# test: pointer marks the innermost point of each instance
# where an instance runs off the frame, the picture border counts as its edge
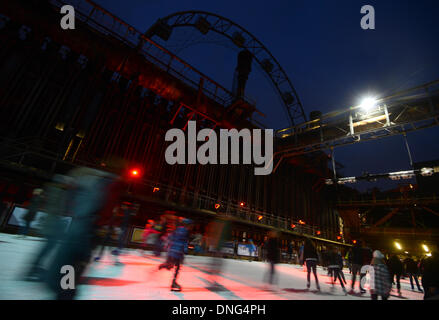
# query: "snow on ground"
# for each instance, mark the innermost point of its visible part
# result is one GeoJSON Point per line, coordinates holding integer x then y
{"type": "Point", "coordinates": [139, 279]}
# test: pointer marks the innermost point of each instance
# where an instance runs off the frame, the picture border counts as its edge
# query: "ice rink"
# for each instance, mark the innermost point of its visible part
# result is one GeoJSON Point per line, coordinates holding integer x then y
{"type": "Point", "coordinates": [139, 278]}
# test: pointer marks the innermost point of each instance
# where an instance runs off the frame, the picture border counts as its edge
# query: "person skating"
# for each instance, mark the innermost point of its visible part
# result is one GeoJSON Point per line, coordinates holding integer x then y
{"type": "Point", "coordinates": [361, 256]}
{"type": "Point", "coordinates": [178, 242]}
{"type": "Point", "coordinates": [93, 197]}
{"type": "Point", "coordinates": [162, 229]}
{"type": "Point", "coordinates": [430, 276]}
{"type": "Point", "coordinates": [335, 264]}
{"type": "Point", "coordinates": [252, 250]}
{"type": "Point", "coordinates": [395, 267]}
{"type": "Point", "coordinates": [54, 227]}
{"type": "Point", "coordinates": [311, 258]}
{"type": "Point", "coordinates": [148, 231]}
{"type": "Point", "coordinates": [35, 204]}
{"type": "Point", "coordinates": [411, 269]}
{"type": "Point", "coordinates": [273, 254]}
{"type": "Point", "coordinates": [290, 251]}
{"type": "Point", "coordinates": [380, 285]}
{"type": "Point", "coordinates": [129, 210]}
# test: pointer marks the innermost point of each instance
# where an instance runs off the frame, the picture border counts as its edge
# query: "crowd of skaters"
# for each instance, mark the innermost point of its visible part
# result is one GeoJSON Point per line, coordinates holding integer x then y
{"type": "Point", "coordinates": [93, 198]}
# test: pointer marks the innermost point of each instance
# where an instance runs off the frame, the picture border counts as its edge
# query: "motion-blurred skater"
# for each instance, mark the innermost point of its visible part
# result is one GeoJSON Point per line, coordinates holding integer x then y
{"type": "Point", "coordinates": [35, 205]}
{"type": "Point", "coordinates": [178, 242]}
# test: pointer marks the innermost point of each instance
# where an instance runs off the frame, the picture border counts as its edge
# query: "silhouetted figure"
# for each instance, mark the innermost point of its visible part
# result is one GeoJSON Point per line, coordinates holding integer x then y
{"type": "Point", "coordinates": [361, 256]}
{"type": "Point", "coordinates": [93, 192]}
{"type": "Point", "coordinates": [430, 276]}
{"type": "Point", "coordinates": [335, 264]}
{"type": "Point", "coordinates": [311, 258]}
{"type": "Point", "coordinates": [395, 269]}
{"type": "Point", "coordinates": [34, 206]}
{"type": "Point", "coordinates": [273, 254]}
{"type": "Point", "coordinates": [53, 227]}
{"type": "Point", "coordinates": [411, 268]}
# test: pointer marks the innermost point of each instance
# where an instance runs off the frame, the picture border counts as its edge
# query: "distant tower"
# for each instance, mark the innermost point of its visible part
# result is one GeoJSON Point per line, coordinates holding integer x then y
{"type": "Point", "coordinates": [242, 71]}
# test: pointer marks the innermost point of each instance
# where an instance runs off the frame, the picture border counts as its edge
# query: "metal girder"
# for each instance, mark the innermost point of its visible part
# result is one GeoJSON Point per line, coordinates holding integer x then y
{"type": "Point", "coordinates": [431, 211]}
{"type": "Point", "coordinates": [404, 112]}
{"type": "Point", "coordinates": [387, 217]}
{"type": "Point", "coordinates": [245, 40]}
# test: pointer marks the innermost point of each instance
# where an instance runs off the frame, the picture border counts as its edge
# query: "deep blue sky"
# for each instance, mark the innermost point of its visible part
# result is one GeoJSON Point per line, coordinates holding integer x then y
{"type": "Point", "coordinates": [330, 60]}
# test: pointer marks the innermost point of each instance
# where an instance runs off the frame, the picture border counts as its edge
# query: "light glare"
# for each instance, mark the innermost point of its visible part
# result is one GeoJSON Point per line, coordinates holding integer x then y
{"type": "Point", "coordinates": [368, 104]}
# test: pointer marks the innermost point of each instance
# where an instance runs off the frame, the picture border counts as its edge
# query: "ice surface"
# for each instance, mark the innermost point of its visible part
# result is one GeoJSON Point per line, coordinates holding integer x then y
{"type": "Point", "coordinates": [139, 278]}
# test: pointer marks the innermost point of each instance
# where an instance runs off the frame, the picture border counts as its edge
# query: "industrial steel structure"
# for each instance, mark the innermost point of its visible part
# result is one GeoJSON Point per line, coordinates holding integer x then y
{"type": "Point", "coordinates": [107, 90]}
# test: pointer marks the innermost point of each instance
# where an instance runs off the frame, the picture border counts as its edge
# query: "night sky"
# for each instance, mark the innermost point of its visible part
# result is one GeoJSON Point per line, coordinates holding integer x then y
{"type": "Point", "coordinates": [330, 60]}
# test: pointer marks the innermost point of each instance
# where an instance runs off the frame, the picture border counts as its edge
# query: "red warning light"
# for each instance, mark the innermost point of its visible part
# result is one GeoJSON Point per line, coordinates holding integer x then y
{"type": "Point", "coordinates": [156, 189]}
{"type": "Point", "coordinates": [260, 218]}
{"type": "Point", "coordinates": [217, 205]}
{"type": "Point", "coordinates": [338, 237]}
{"type": "Point", "coordinates": [242, 204]}
{"type": "Point", "coordinates": [135, 173]}
{"type": "Point", "coordinates": [293, 226]}
{"type": "Point", "coordinates": [318, 233]}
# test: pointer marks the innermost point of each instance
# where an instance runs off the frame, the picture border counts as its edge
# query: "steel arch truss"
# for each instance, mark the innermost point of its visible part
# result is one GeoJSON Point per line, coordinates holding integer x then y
{"type": "Point", "coordinates": [207, 22]}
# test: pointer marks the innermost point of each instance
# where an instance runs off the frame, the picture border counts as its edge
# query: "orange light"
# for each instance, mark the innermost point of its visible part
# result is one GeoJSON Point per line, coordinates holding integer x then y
{"type": "Point", "coordinates": [293, 226]}
{"type": "Point", "coordinates": [338, 237]}
{"type": "Point", "coordinates": [217, 205]}
{"type": "Point", "coordinates": [242, 204]}
{"type": "Point", "coordinates": [155, 189]}
{"type": "Point", "coordinates": [260, 218]}
{"type": "Point", "coordinates": [318, 232]}
{"type": "Point", "coordinates": [354, 241]}
{"type": "Point", "coordinates": [301, 222]}
{"type": "Point", "coordinates": [341, 232]}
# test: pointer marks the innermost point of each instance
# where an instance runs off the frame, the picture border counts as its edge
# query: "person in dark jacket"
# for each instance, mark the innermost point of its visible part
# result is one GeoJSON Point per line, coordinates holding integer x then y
{"type": "Point", "coordinates": [411, 269]}
{"type": "Point", "coordinates": [290, 251]}
{"type": "Point", "coordinates": [129, 210]}
{"type": "Point", "coordinates": [395, 269]}
{"type": "Point", "coordinates": [430, 276]}
{"type": "Point", "coordinates": [54, 227]}
{"type": "Point", "coordinates": [34, 206]}
{"type": "Point", "coordinates": [361, 256]}
{"type": "Point", "coordinates": [92, 191]}
{"type": "Point", "coordinates": [335, 264]}
{"type": "Point", "coordinates": [357, 261]}
{"type": "Point", "coordinates": [273, 254]}
{"type": "Point", "coordinates": [178, 242]}
{"type": "Point", "coordinates": [380, 284]}
{"type": "Point", "coordinates": [311, 258]}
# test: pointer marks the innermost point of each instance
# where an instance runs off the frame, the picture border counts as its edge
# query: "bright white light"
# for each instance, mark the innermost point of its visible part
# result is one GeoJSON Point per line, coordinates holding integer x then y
{"type": "Point", "coordinates": [398, 246]}
{"type": "Point", "coordinates": [426, 172]}
{"type": "Point", "coordinates": [402, 175]}
{"type": "Point", "coordinates": [424, 246]}
{"type": "Point", "coordinates": [368, 104]}
{"type": "Point", "coordinates": [428, 254]}
{"type": "Point", "coordinates": [347, 180]}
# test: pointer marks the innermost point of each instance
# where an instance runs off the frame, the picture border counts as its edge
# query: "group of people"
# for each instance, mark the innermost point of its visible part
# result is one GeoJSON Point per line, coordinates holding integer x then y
{"type": "Point", "coordinates": [383, 272]}
{"type": "Point", "coordinates": [93, 199]}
